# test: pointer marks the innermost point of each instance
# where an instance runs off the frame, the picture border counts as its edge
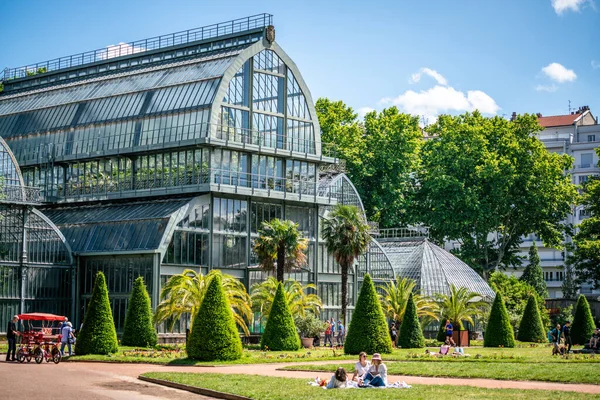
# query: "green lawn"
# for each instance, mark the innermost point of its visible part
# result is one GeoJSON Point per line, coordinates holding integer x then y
{"type": "Point", "coordinates": [577, 372]}
{"type": "Point", "coordinates": [269, 388]}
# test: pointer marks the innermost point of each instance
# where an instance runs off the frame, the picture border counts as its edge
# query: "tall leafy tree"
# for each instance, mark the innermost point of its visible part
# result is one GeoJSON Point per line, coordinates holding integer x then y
{"type": "Point", "coordinates": [569, 285]}
{"type": "Point", "coordinates": [299, 298]}
{"type": "Point", "coordinates": [183, 294]}
{"type": "Point", "coordinates": [533, 273]}
{"type": "Point", "coordinates": [346, 236]}
{"type": "Point", "coordinates": [395, 295]}
{"type": "Point", "coordinates": [461, 305]}
{"type": "Point", "coordinates": [280, 247]}
{"type": "Point", "coordinates": [485, 182]}
{"type": "Point", "coordinates": [381, 153]}
{"type": "Point", "coordinates": [584, 258]}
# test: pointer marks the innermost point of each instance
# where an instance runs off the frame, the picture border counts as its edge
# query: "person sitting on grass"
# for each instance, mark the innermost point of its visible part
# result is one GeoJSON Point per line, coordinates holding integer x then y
{"type": "Point", "coordinates": [377, 373]}
{"type": "Point", "coordinates": [361, 367]}
{"type": "Point", "coordinates": [338, 380]}
{"type": "Point", "coordinates": [595, 338]}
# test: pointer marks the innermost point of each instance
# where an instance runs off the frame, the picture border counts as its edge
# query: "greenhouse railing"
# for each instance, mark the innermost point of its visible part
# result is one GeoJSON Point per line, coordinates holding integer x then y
{"type": "Point", "coordinates": [20, 194]}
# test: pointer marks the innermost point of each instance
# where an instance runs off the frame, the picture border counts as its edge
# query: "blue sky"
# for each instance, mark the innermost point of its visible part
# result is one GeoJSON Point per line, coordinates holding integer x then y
{"type": "Point", "coordinates": [426, 57]}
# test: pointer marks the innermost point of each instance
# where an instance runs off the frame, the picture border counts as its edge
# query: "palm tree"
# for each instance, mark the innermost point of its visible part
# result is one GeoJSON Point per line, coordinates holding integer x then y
{"type": "Point", "coordinates": [461, 305]}
{"type": "Point", "coordinates": [346, 236]}
{"type": "Point", "coordinates": [297, 296]}
{"type": "Point", "coordinates": [395, 297]}
{"type": "Point", "coordinates": [184, 293]}
{"type": "Point", "coordinates": [280, 247]}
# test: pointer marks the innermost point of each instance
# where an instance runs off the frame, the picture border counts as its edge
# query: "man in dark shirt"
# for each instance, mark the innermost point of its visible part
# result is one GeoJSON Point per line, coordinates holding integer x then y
{"type": "Point", "coordinates": [567, 335]}
{"type": "Point", "coordinates": [594, 341]}
{"type": "Point", "coordinates": [11, 335]}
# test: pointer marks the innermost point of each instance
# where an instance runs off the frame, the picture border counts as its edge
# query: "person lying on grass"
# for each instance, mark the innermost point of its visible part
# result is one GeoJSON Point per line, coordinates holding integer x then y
{"type": "Point", "coordinates": [338, 380]}
{"type": "Point", "coordinates": [361, 367]}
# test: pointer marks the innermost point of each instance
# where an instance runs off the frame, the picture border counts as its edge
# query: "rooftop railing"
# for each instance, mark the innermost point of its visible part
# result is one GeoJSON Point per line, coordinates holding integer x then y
{"type": "Point", "coordinates": [139, 46]}
{"type": "Point", "coordinates": [20, 194]}
{"type": "Point", "coordinates": [404, 233]}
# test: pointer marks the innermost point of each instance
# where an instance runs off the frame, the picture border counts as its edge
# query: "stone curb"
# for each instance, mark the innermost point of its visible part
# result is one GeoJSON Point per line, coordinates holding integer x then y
{"type": "Point", "coordinates": [194, 389]}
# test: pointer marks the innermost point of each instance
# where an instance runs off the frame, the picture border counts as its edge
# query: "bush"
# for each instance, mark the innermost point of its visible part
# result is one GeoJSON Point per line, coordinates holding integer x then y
{"type": "Point", "coordinates": [441, 335]}
{"type": "Point", "coordinates": [368, 329]}
{"type": "Point", "coordinates": [280, 332]}
{"type": "Point", "coordinates": [499, 332]}
{"type": "Point", "coordinates": [214, 335]}
{"type": "Point", "coordinates": [309, 326]}
{"type": "Point", "coordinates": [98, 334]}
{"type": "Point", "coordinates": [531, 328]}
{"type": "Point", "coordinates": [138, 329]}
{"type": "Point", "coordinates": [583, 322]}
{"type": "Point", "coordinates": [411, 334]}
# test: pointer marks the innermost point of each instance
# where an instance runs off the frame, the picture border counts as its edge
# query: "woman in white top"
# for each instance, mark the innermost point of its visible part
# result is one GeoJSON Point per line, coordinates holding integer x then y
{"type": "Point", "coordinates": [361, 367]}
{"type": "Point", "coordinates": [377, 374]}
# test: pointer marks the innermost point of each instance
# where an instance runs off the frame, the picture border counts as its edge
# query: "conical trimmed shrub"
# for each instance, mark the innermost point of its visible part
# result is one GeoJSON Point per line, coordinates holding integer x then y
{"type": "Point", "coordinates": [98, 334]}
{"type": "Point", "coordinates": [411, 334]}
{"type": "Point", "coordinates": [214, 335]}
{"type": "Point", "coordinates": [531, 328]}
{"type": "Point", "coordinates": [499, 332]}
{"type": "Point", "coordinates": [139, 329]}
{"type": "Point", "coordinates": [368, 329]}
{"type": "Point", "coordinates": [441, 335]}
{"type": "Point", "coordinates": [280, 332]}
{"type": "Point", "coordinates": [583, 322]}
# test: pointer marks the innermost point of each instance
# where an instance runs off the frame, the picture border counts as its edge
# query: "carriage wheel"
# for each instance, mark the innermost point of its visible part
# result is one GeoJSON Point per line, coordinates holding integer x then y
{"type": "Point", "coordinates": [38, 353]}
{"type": "Point", "coordinates": [20, 356]}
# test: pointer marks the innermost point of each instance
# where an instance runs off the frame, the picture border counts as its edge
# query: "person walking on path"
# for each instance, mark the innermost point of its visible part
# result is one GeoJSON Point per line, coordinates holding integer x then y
{"type": "Point", "coordinates": [394, 334]}
{"type": "Point", "coordinates": [11, 335]}
{"type": "Point", "coordinates": [67, 338]}
{"type": "Point", "coordinates": [566, 332]}
{"type": "Point", "coordinates": [341, 333]}
{"type": "Point", "coordinates": [449, 332]}
{"type": "Point", "coordinates": [328, 335]}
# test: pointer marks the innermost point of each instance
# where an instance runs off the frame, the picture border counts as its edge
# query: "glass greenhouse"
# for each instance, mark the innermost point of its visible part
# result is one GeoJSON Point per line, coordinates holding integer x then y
{"type": "Point", "coordinates": [149, 158]}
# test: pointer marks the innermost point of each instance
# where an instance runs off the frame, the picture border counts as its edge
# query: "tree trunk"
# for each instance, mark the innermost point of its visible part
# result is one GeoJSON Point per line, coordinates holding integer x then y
{"type": "Point", "coordinates": [280, 262]}
{"type": "Point", "coordinates": [344, 292]}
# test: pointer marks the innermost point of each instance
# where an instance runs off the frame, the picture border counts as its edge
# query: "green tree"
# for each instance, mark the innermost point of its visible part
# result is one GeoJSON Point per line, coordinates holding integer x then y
{"type": "Point", "coordinates": [298, 297]}
{"type": "Point", "coordinates": [214, 335]}
{"type": "Point", "coordinates": [280, 333]}
{"type": "Point", "coordinates": [411, 334]}
{"type": "Point", "coordinates": [499, 332]}
{"type": "Point", "coordinates": [368, 327]}
{"type": "Point", "coordinates": [584, 257]}
{"type": "Point", "coordinates": [486, 182]}
{"type": "Point", "coordinates": [183, 294]}
{"type": "Point", "coordinates": [516, 294]}
{"type": "Point", "coordinates": [98, 334]}
{"type": "Point", "coordinates": [531, 328]}
{"type": "Point", "coordinates": [346, 235]}
{"type": "Point", "coordinates": [381, 153]}
{"type": "Point", "coordinates": [583, 322]}
{"type": "Point", "coordinates": [533, 273]}
{"type": "Point", "coordinates": [280, 247]}
{"type": "Point", "coordinates": [569, 285]}
{"type": "Point", "coordinates": [394, 298]}
{"type": "Point", "coordinates": [139, 329]}
{"type": "Point", "coordinates": [461, 305]}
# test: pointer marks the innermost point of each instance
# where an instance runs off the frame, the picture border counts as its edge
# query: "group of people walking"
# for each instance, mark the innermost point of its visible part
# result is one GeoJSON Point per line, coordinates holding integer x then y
{"type": "Point", "coordinates": [334, 330]}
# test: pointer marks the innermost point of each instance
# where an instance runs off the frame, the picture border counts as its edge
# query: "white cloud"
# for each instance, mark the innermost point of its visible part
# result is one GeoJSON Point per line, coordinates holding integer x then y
{"type": "Point", "coordinates": [595, 64]}
{"type": "Point", "coordinates": [559, 73]}
{"type": "Point", "coordinates": [416, 77]}
{"type": "Point", "coordinates": [546, 88]}
{"type": "Point", "coordinates": [364, 111]}
{"type": "Point", "coordinates": [121, 49]}
{"type": "Point", "coordinates": [561, 6]}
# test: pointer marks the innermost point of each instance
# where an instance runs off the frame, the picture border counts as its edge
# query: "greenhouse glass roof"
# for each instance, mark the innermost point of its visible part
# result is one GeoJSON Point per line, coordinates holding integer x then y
{"type": "Point", "coordinates": [433, 268]}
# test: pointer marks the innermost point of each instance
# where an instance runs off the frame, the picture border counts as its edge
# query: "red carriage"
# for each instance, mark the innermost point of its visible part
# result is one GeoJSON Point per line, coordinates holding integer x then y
{"type": "Point", "coordinates": [40, 338]}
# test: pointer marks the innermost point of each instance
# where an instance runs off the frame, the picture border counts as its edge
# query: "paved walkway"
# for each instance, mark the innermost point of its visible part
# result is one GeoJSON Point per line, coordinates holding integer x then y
{"type": "Point", "coordinates": [118, 381]}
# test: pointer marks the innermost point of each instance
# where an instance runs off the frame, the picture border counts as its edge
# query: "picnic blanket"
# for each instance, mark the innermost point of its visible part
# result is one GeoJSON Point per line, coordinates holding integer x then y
{"type": "Point", "coordinates": [354, 385]}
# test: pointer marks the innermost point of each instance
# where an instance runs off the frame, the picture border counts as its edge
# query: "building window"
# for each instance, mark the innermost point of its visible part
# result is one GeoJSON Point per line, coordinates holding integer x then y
{"type": "Point", "coordinates": [587, 159]}
{"type": "Point", "coordinates": [583, 213]}
{"type": "Point", "coordinates": [591, 138]}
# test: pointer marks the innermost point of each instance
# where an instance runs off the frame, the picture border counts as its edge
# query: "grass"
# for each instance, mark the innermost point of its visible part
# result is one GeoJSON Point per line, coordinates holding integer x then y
{"type": "Point", "coordinates": [270, 388]}
{"type": "Point", "coordinates": [579, 372]}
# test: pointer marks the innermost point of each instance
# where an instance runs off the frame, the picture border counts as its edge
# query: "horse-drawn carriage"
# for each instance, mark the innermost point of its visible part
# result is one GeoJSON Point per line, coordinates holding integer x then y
{"type": "Point", "coordinates": [40, 338]}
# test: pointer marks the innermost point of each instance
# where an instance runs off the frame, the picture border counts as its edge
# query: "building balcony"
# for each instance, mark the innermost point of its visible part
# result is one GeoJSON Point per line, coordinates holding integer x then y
{"type": "Point", "coordinates": [26, 195]}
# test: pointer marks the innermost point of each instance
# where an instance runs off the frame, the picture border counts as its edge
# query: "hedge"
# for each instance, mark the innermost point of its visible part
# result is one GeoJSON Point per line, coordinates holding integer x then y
{"type": "Point", "coordinates": [531, 328]}
{"type": "Point", "coordinates": [139, 329]}
{"type": "Point", "coordinates": [499, 332]}
{"type": "Point", "coordinates": [411, 334]}
{"type": "Point", "coordinates": [98, 334]}
{"type": "Point", "coordinates": [583, 322]}
{"type": "Point", "coordinates": [214, 336]}
{"type": "Point", "coordinates": [368, 328]}
{"type": "Point", "coordinates": [280, 332]}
